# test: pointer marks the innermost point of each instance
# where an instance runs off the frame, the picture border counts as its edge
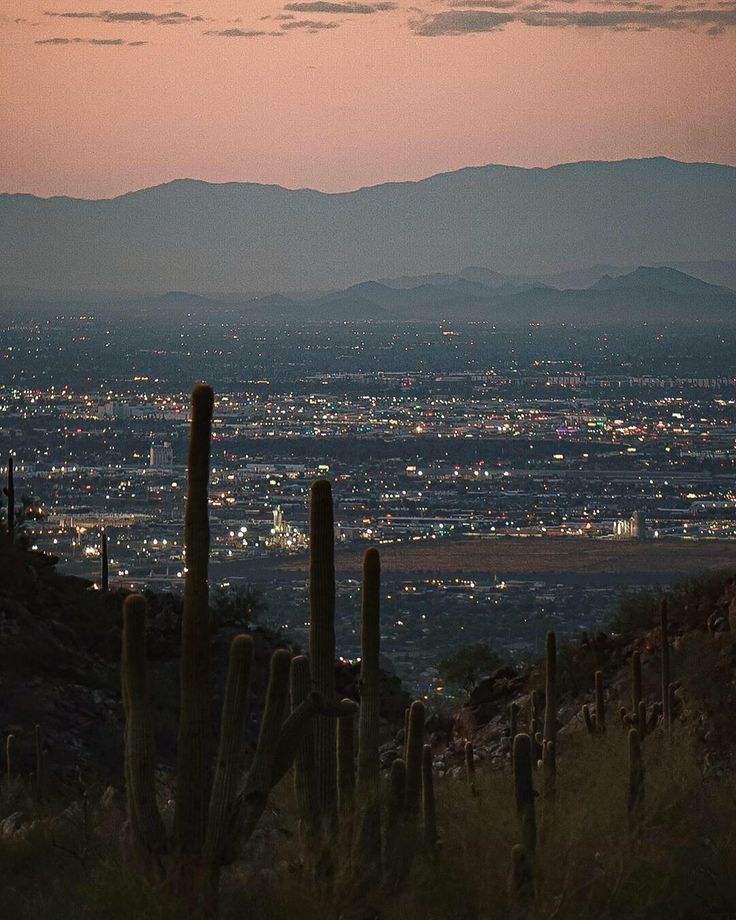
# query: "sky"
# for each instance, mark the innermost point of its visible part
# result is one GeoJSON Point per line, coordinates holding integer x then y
{"type": "Point", "coordinates": [101, 97]}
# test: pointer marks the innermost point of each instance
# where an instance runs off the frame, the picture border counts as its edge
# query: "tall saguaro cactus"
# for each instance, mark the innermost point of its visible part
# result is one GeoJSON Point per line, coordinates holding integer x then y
{"type": "Point", "coordinates": [105, 564]}
{"type": "Point", "coordinates": [9, 491]}
{"type": "Point", "coordinates": [194, 746]}
{"type": "Point", "coordinates": [322, 636]}
{"type": "Point", "coordinates": [549, 747]}
{"type": "Point", "coordinates": [370, 694]}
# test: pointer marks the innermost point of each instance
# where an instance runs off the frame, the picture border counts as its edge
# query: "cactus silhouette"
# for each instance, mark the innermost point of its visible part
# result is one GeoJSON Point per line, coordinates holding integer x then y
{"type": "Point", "coordinates": [10, 773]}
{"type": "Point", "coordinates": [305, 767]}
{"type": "Point", "coordinates": [345, 764]}
{"type": "Point", "coordinates": [105, 564]}
{"type": "Point", "coordinates": [414, 748]}
{"type": "Point", "coordinates": [369, 833]}
{"type": "Point", "coordinates": [636, 777]}
{"type": "Point", "coordinates": [549, 747]}
{"type": "Point", "coordinates": [9, 492]}
{"type": "Point", "coordinates": [429, 810]}
{"type": "Point", "coordinates": [216, 808]}
{"type": "Point", "coordinates": [524, 793]}
{"type": "Point", "coordinates": [322, 637]}
{"type": "Point", "coordinates": [596, 722]}
{"type": "Point", "coordinates": [666, 692]}
{"type": "Point", "coordinates": [470, 764]}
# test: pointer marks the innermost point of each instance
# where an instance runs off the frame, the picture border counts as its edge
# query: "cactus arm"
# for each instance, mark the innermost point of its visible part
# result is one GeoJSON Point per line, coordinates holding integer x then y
{"type": "Point", "coordinates": [296, 728]}
{"type": "Point", "coordinates": [230, 753]}
{"type": "Point", "coordinates": [470, 763]}
{"type": "Point", "coordinates": [195, 740]}
{"type": "Point", "coordinates": [146, 822]}
{"type": "Point", "coordinates": [253, 795]}
{"type": "Point", "coordinates": [322, 636]}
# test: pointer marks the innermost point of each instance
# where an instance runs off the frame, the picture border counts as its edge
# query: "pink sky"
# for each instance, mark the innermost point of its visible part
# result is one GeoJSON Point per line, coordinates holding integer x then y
{"type": "Point", "coordinates": [385, 95]}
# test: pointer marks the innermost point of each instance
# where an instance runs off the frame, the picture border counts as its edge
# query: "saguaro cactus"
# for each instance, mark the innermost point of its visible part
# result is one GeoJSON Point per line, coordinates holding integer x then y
{"type": "Point", "coordinates": [636, 777]}
{"type": "Point", "coordinates": [370, 694]}
{"type": "Point", "coordinates": [235, 801]}
{"type": "Point", "coordinates": [369, 837]}
{"type": "Point", "coordinates": [305, 767]}
{"type": "Point", "coordinates": [429, 809]}
{"type": "Point", "coordinates": [322, 636]}
{"type": "Point", "coordinates": [596, 723]}
{"type": "Point", "coordinates": [470, 764]}
{"type": "Point", "coordinates": [215, 809]}
{"type": "Point", "coordinates": [9, 491]}
{"type": "Point", "coordinates": [10, 759]}
{"type": "Point", "coordinates": [194, 747]}
{"type": "Point", "coordinates": [513, 727]}
{"type": "Point", "coordinates": [549, 748]}
{"type": "Point", "coordinates": [105, 563]}
{"type": "Point", "coordinates": [521, 882]}
{"type": "Point", "coordinates": [397, 854]}
{"type": "Point", "coordinates": [666, 693]}
{"type": "Point", "coordinates": [524, 793]}
{"type": "Point", "coordinates": [345, 764]}
{"type": "Point", "coordinates": [414, 747]}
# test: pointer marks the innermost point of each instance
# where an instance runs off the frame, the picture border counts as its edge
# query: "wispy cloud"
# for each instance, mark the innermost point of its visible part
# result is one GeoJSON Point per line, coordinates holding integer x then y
{"type": "Point", "coordinates": [327, 6]}
{"type": "Point", "coordinates": [312, 25]}
{"type": "Point", "coordinates": [173, 18]}
{"type": "Point", "coordinates": [114, 42]}
{"type": "Point", "coordinates": [242, 33]}
{"type": "Point", "coordinates": [644, 18]}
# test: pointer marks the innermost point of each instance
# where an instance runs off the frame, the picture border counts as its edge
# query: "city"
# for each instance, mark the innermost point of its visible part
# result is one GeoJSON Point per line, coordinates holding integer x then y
{"type": "Point", "coordinates": [632, 437]}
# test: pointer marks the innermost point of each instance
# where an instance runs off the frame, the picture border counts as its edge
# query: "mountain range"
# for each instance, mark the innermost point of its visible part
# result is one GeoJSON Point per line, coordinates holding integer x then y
{"type": "Point", "coordinates": [660, 294]}
{"type": "Point", "coordinates": [240, 237]}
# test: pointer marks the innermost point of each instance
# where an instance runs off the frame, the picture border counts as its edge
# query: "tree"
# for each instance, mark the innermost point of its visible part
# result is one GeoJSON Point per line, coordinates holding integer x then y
{"type": "Point", "coordinates": [464, 667]}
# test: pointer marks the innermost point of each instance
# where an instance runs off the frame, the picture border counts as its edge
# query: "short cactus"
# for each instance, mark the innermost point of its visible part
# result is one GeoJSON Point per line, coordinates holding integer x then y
{"type": "Point", "coordinates": [10, 774]}
{"type": "Point", "coordinates": [470, 764]}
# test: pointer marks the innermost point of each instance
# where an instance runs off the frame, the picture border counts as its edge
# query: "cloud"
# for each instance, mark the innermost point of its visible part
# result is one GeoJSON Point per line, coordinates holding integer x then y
{"type": "Point", "coordinates": [241, 33]}
{"type": "Point", "coordinates": [117, 42]}
{"type": "Point", "coordinates": [460, 22]}
{"type": "Point", "coordinates": [327, 6]}
{"type": "Point", "coordinates": [485, 4]}
{"type": "Point", "coordinates": [313, 25]}
{"type": "Point", "coordinates": [643, 19]}
{"type": "Point", "coordinates": [174, 18]}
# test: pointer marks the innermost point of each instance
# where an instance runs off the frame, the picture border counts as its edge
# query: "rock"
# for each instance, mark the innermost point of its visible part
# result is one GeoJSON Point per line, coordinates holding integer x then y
{"type": "Point", "coordinates": [12, 824]}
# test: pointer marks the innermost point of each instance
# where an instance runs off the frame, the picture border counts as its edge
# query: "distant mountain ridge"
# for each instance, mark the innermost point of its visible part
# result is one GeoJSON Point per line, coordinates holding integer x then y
{"type": "Point", "coordinates": [212, 239]}
{"type": "Point", "coordinates": [646, 294]}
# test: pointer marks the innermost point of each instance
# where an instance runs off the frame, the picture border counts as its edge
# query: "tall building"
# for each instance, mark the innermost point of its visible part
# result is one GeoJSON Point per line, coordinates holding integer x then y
{"type": "Point", "coordinates": [161, 456]}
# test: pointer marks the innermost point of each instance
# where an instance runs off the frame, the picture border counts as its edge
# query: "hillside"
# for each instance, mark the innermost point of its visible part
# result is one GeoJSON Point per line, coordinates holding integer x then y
{"type": "Point", "coordinates": [194, 236]}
